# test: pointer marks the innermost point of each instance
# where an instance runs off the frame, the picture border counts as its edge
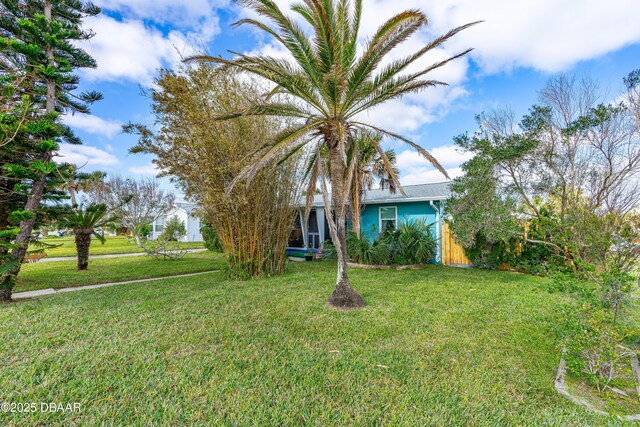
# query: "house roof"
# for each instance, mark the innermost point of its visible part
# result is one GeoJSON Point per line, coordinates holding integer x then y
{"type": "Point", "coordinates": [413, 193]}
{"type": "Point", "coordinates": [419, 192]}
{"type": "Point", "coordinates": [186, 206]}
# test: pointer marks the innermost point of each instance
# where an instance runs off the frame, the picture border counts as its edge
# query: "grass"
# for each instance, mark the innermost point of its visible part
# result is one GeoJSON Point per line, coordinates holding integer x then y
{"type": "Point", "coordinates": [442, 346]}
{"type": "Point", "coordinates": [63, 274]}
{"type": "Point", "coordinates": [113, 245]}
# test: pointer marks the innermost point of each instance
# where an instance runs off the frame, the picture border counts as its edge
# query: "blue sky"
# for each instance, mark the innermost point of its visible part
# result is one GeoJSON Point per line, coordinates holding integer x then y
{"type": "Point", "coordinates": [517, 49]}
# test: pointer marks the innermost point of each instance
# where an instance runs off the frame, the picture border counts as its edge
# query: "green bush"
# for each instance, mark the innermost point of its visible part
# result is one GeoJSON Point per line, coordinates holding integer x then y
{"type": "Point", "coordinates": [145, 230]}
{"type": "Point", "coordinates": [364, 251]}
{"type": "Point", "coordinates": [211, 239]}
{"type": "Point", "coordinates": [533, 258]}
{"type": "Point", "coordinates": [411, 243]}
{"type": "Point", "coordinates": [174, 230]}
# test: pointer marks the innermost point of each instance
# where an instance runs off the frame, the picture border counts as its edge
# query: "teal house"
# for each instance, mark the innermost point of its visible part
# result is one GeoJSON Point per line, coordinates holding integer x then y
{"type": "Point", "coordinates": [381, 209]}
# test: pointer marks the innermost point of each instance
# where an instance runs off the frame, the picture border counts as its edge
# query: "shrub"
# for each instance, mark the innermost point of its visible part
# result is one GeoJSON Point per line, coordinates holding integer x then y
{"type": "Point", "coordinates": [211, 240]}
{"type": "Point", "coordinates": [174, 230]}
{"type": "Point", "coordinates": [364, 251]}
{"type": "Point", "coordinates": [145, 231]}
{"type": "Point", "coordinates": [411, 243]}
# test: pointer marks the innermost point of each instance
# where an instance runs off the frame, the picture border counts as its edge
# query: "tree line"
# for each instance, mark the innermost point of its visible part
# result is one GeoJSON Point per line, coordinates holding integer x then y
{"type": "Point", "coordinates": [557, 193]}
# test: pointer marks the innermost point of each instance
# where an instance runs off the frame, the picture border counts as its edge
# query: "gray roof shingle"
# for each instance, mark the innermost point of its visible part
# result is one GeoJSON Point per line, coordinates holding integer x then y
{"type": "Point", "coordinates": [432, 191]}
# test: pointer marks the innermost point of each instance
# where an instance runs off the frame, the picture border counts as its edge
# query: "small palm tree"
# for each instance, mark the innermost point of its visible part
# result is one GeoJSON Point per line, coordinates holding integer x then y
{"type": "Point", "coordinates": [325, 90]}
{"type": "Point", "coordinates": [85, 223]}
{"type": "Point", "coordinates": [81, 182]}
{"type": "Point", "coordinates": [371, 168]}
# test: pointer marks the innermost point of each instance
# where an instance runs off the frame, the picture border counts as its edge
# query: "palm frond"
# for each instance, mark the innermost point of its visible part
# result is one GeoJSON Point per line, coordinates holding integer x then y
{"type": "Point", "coordinates": [392, 33]}
{"type": "Point", "coordinates": [389, 166]}
{"type": "Point", "coordinates": [400, 65]}
{"type": "Point", "coordinates": [390, 91]}
{"type": "Point", "coordinates": [283, 141]}
{"type": "Point", "coordinates": [424, 153]}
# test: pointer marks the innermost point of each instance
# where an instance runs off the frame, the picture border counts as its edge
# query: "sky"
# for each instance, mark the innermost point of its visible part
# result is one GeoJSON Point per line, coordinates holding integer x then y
{"type": "Point", "coordinates": [517, 49]}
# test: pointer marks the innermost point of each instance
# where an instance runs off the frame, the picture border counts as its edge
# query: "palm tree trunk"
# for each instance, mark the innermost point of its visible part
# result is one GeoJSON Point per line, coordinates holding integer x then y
{"type": "Point", "coordinates": [83, 243]}
{"type": "Point", "coordinates": [343, 296]}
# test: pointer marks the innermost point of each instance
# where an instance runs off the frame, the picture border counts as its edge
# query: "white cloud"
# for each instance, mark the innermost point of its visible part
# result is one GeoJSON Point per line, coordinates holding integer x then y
{"type": "Point", "coordinates": [545, 35]}
{"type": "Point", "coordinates": [414, 111]}
{"type": "Point", "coordinates": [93, 124]}
{"type": "Point", "coordinates": [148, 169]}
{"type": "Point", "coordinates": [414, 169]}
{"type": "Point", "coordinates": [85, 155]}
{"type": "Point", "coordinates": [425, 176]}
{"type": "Point", "coordinates": [131, 50]}
{"type": "Point", "coordinates": [447, 155]}
{"type": "Point", "coordinates": [179, 13]}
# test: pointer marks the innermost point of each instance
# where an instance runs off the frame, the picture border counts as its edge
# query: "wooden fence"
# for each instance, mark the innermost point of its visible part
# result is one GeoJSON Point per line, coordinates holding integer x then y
{"type": "Point", "coordinates": [452, 252]}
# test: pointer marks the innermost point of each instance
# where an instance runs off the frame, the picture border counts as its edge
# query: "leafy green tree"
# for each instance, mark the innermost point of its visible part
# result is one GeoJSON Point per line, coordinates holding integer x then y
{"type": "Point", "coordinates": [211, 239]}
{"type": "Point", "coordinates": [85, 223]}
{"type": "Point", "coordinates": [174, 230]}
{"type": "Point", "coordinates": [561, 187]}
{"type": "Point", "coordinates": [325, 89]}
{"type": "Point", "coordinates": [39, 52]}
{"type": "Point", "coordinates": [568, 156]}
{"type": "Point", "coordinates": [371, 167]}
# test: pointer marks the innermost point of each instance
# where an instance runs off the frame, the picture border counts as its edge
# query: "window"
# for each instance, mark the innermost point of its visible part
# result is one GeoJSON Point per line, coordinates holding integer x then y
{"type": "Point", "coordinates": [159, 224]}
{"type": "Point", "coordinates": [388, 218]}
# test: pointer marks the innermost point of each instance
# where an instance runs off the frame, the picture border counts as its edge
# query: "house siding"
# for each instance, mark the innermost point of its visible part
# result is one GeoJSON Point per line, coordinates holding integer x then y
{"type": "Point", "coordinates": [191, 223]}
{"type": "Point", "coordinates": [370, 219]}
{"type": "Point", "coordinates": [406, 211]}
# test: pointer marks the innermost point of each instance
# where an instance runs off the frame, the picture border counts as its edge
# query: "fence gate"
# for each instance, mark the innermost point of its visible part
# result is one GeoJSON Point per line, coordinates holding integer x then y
{"type": "Point", "coordinates": [452, 252]}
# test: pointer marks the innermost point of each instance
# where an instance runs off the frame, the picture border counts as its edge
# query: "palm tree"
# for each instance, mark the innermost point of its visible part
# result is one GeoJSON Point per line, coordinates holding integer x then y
{"type": "Point", "coordinates": [325, 90]}
{"type": "Point", "coordinates": [371, 168]}
{"type": "Point", "coordinates": [84, 223]}
{"type": "Point", "coordinates": [77, 182]}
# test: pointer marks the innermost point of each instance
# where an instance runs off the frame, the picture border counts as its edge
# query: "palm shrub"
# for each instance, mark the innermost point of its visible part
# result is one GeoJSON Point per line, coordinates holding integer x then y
{"type": "Point", "coordinates": [411, 243]}
{"type": "Point", "coordinates": [370, 166]}
{"type": "Point", "coordinates": [324, 90]}
{"type": "Point", "coordinates": [84, 224]}
{"type": "Point", "coordinates": [362, 250]}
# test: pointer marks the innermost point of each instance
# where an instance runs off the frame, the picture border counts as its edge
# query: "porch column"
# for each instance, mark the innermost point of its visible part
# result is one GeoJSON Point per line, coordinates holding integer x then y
{"type": "Point", "coordinates": [438, 232]}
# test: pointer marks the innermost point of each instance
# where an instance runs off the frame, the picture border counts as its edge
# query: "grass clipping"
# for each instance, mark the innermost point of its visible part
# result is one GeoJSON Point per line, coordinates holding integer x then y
{"type": "Point", "coordinates": [252, 219]}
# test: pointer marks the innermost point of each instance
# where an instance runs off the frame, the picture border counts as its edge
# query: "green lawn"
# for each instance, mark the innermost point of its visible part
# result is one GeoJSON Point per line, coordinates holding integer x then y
{"type": "Point", "coordinates": [62, 274]}
{"type": "Point", "coordinates": [443, 346]}
{"type": "Point", "coordinates": [113, 245]}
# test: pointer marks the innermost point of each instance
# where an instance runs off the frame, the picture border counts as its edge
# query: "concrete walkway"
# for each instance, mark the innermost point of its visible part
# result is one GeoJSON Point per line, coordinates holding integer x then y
{"type": "Point", "coordinates": [51, 291]}
{"type": "Point", "coordinates": [68, 258]}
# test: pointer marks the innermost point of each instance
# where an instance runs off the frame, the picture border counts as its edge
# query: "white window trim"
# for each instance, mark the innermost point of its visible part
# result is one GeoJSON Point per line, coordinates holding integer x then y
{"type": "Point", "coordinates": [380, 230]}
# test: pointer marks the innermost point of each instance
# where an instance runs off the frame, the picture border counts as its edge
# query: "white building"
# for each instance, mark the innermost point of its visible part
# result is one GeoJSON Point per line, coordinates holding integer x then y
{"type": "Point", "coordinates": [185, 213]}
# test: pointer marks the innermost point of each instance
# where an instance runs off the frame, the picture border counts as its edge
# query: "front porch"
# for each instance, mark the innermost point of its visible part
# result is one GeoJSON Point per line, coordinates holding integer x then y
{"type": "Point", "coordinates": [308, 236]}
